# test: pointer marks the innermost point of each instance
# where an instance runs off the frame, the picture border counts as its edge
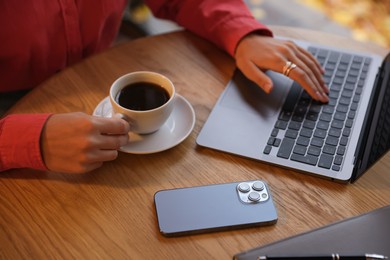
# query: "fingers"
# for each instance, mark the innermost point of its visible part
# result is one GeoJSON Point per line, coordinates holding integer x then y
{"type": "Point", "coordinates": [255, 53]}
{"type": "Point", "coordinates": [112, 142]}
{"type": "Point", "coordinates": [308, 72]}
{"type": "Point", "coordinates": [113, 133]}
{"type": "Point", "coordinates": [95, 160]}
{"type": "Point", "coordinates": [114, 126]}
{"type": "Point", "coordinates": [307, 80]}
{"type": "Point", "coordinates": [312, 67]}
{"type": "Point", "coordinates": [260, 78]}
{"type": "Point", "coordinates": [92, 160]}
{"type": "Point", "coordinates": [101, 156]}
{"type": "Point", "coordinates": [314, 61]}
{"type": "Point", "coordinates": [87, 167]}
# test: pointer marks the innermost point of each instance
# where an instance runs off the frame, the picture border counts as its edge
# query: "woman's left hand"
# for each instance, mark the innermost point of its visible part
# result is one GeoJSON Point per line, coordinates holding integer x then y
{"type": "Point", "coordinates": [255, 54]}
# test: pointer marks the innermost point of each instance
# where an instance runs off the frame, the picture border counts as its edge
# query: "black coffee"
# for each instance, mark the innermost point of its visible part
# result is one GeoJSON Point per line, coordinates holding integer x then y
{"type": "Point", "coordinates": [142, 96]}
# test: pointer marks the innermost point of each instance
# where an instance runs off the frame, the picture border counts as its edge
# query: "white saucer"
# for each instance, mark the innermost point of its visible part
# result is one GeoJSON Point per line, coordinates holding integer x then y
{"type": "Point", "coordinates": [177, 128]}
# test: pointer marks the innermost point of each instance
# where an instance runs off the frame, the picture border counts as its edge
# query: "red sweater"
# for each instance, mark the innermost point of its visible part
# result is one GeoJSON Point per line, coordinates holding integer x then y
{"type": "Point", "coordinates": [42, 37]}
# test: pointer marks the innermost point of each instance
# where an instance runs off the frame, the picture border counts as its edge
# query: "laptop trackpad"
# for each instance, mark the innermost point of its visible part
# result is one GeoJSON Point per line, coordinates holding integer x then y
{"type": "Point", "coordinates": [243, 94]}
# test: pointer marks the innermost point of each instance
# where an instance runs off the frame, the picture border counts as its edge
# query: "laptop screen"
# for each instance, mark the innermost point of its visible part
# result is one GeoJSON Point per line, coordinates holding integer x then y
{"type": "Point", "coordinates": [375, 141]}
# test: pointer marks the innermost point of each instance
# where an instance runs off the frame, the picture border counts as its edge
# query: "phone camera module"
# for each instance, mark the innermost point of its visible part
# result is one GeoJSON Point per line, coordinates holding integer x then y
{"type": "Point", "coordinates": [252, 192]}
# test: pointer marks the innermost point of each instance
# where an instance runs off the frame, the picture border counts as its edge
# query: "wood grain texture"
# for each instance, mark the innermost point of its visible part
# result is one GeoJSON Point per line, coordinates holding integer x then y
{"type": "Point", "coordinates": [109, 213]}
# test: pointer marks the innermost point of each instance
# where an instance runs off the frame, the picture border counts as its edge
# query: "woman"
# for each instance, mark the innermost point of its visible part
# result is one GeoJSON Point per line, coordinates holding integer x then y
{"type": "Point", "coordinates": [43, 37]}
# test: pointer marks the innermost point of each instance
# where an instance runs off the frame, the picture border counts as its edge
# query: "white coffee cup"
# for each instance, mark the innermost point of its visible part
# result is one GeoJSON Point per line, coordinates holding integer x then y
{"type": "Point", "coordinates": [143, 121]}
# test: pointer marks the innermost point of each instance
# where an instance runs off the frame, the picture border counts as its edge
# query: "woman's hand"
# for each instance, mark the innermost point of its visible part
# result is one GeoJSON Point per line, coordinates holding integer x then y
{"type": "Point", "coordinates": [78, 143]}
{"type": "Point", "coordinates": [256, 53]}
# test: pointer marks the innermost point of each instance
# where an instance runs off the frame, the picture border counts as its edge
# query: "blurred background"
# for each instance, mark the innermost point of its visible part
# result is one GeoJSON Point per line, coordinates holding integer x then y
{"type": "Point", "coordinates": [369, 20]}
{"type": "Point", "coordinates": [363, 20]}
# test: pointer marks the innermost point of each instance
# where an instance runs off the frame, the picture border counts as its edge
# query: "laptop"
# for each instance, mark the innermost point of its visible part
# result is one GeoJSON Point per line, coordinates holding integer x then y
{"type": "Point", "coordinates": [356, 236]}
{"type": "Point", "coordinates": [339, 140]}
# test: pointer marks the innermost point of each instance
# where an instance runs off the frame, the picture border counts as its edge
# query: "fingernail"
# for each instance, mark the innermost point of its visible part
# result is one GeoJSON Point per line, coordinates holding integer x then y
{"type": "Point", "coordinates": [318, 94]}
{"type": "Point", "coordinates": [325, 97]}
{"type": "Point", "coordinates": [326, 88]}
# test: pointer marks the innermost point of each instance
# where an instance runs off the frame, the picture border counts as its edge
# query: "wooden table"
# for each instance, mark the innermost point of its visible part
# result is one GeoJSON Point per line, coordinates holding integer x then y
{"type": "Point", "coordinates": [109, 213]}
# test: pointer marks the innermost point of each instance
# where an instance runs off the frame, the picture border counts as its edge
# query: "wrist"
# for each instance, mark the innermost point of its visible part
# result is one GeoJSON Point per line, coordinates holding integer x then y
{"type": "Point", "coordinates": [251, 35]}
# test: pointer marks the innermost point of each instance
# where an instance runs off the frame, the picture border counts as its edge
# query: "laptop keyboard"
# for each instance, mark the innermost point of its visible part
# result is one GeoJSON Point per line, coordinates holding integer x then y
{"type": "Point", "coordinates": [314, 133]}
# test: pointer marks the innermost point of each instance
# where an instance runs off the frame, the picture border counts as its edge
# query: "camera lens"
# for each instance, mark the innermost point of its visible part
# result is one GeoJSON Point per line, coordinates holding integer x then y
{"type": "Point", "coordinates": [244, 187]}
{"type": "Point", "coordinates": [258, 185]}
{"type": "Point", "coordinates": [254, 196]}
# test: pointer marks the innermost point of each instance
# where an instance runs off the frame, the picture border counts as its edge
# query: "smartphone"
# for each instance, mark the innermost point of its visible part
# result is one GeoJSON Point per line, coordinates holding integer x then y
{"type": "Point", "coordinates": [217, 207]}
